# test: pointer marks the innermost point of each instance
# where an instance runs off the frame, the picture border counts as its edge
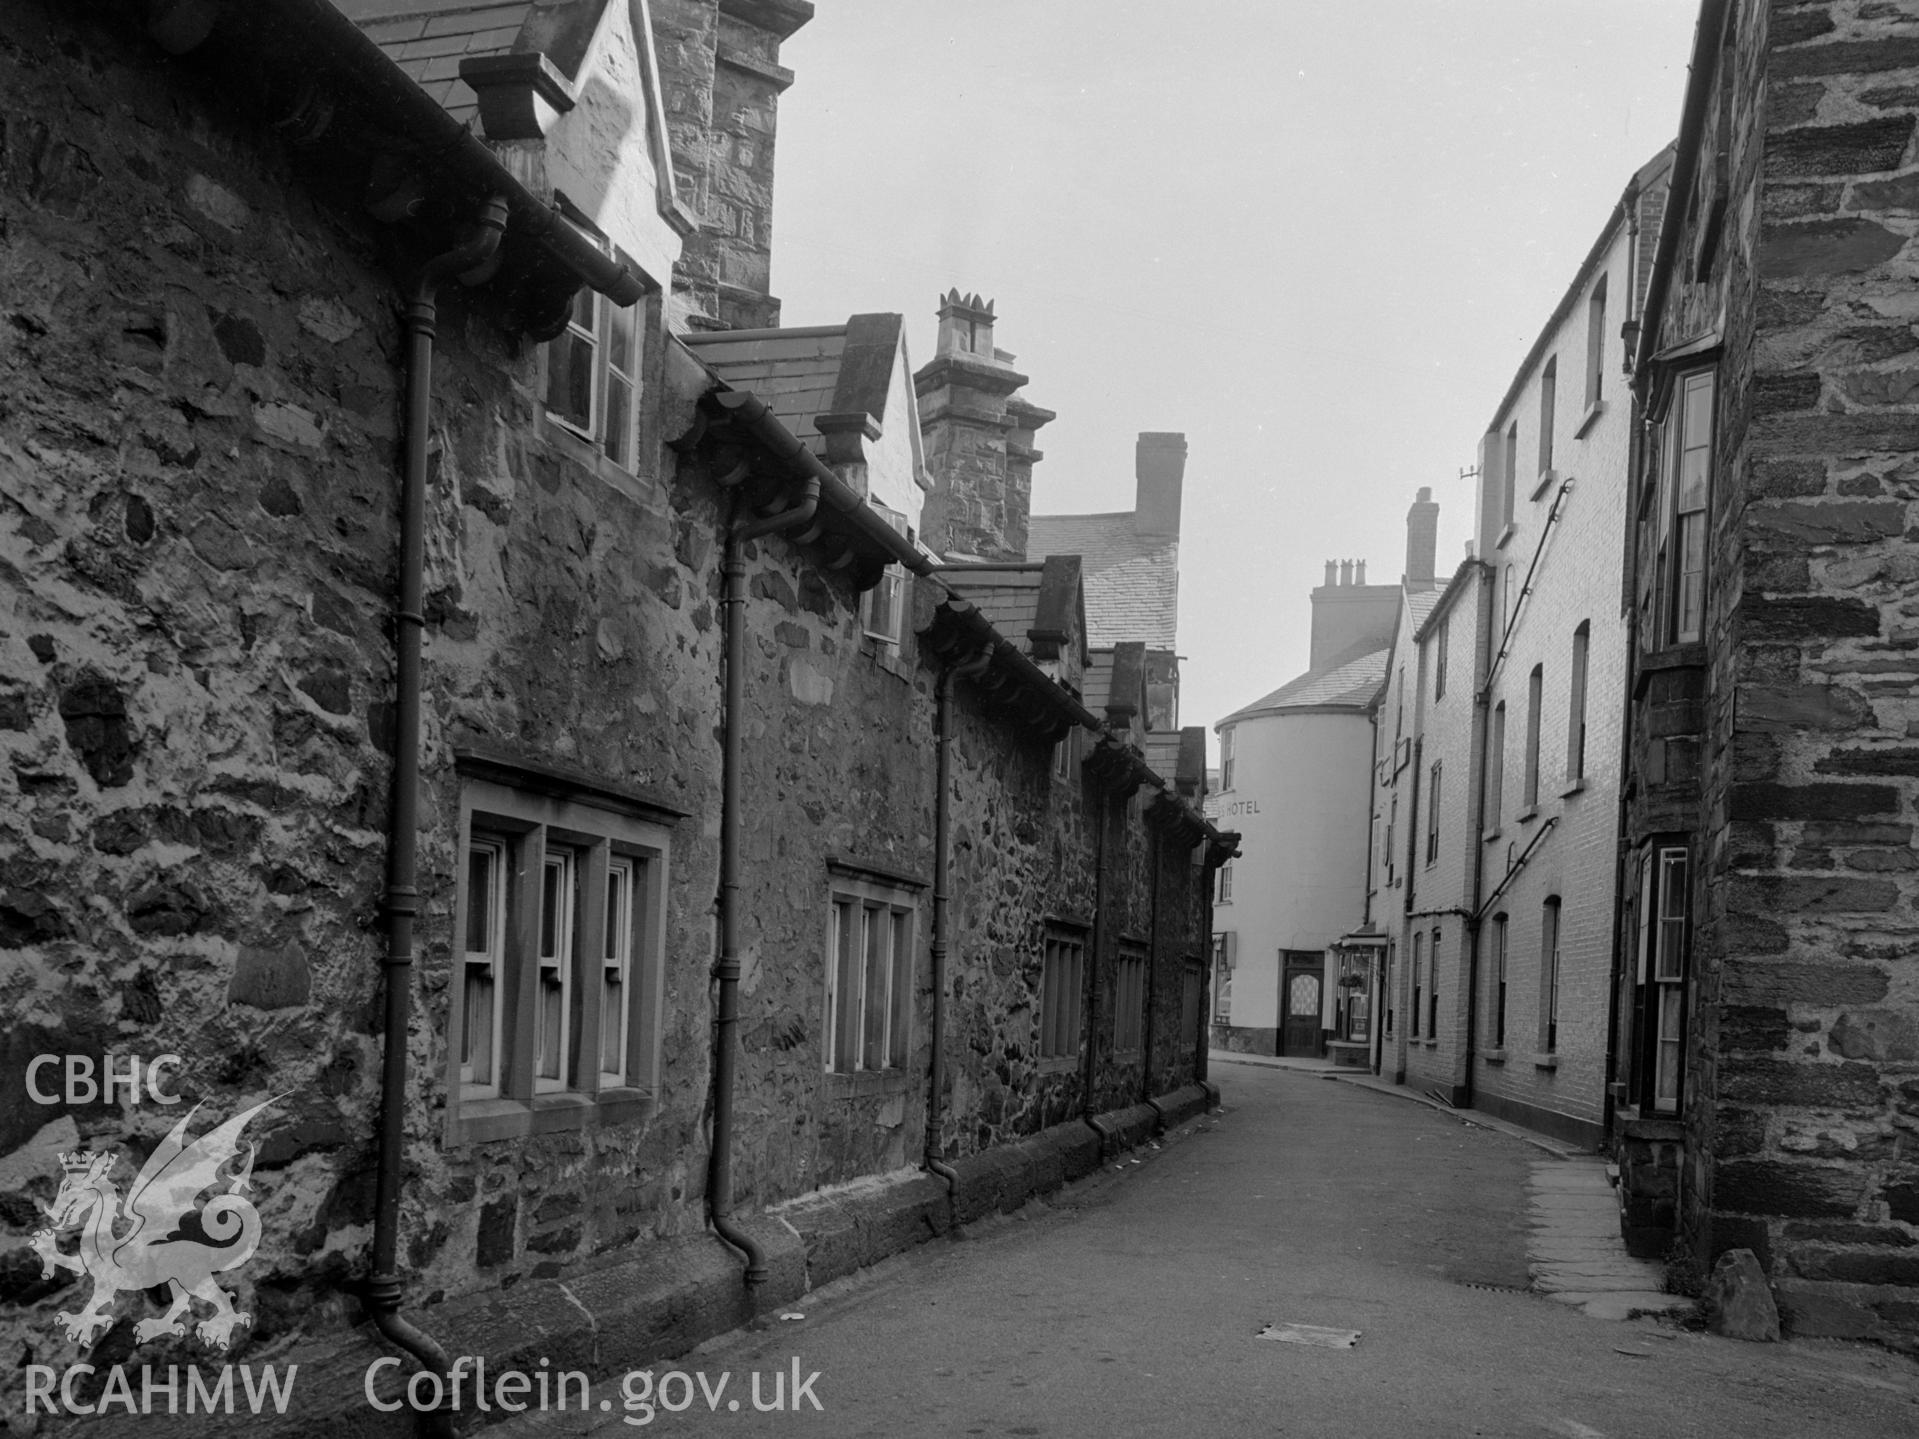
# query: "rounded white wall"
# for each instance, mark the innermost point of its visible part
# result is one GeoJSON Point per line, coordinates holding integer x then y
{"type": "Point", "coordinates": [1299, 800]}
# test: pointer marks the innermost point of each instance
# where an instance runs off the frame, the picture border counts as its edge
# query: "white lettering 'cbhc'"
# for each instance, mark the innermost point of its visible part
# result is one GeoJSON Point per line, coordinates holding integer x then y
{"type": "Point", "coordinates": [81, 1087]}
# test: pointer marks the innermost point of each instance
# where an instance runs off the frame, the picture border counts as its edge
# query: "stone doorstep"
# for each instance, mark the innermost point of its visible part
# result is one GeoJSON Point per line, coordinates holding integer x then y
{"type": "Point", "coordinates": [668, 1297]}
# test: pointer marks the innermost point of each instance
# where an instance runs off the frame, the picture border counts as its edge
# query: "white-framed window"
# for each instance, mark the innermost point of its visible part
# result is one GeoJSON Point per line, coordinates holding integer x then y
{"type": "Point", "coordinates": [1576, 704]}
{"type": "Point", "coordinates": [1225, 883]}
{"type": "Point", "coordinates": [1419, 980]}
{"type": "Point", "coordinates": [1659, 1019]}
{"type": "Point", "coordinates": [1499, 981]}
{"type": "Point", "coordinates": [883, 608]}
{"type": "Point", "coordinates": [1432, 813]}
{"type": "Point", "coordinates": [553, 1037]}
{"type": "Point", "coordinates": [1440, 632]}
{"type": "Point", "coordinates": [1129, 999]}
{"type": "Point", "coordinates": [1189, 983]}
{"type": "Point", "coordinates": [869, 976]}
{"type": "Point", "coordinates": [1226, 759]}
{"type": "Point", "coordinates": [1596, 344]}
{"type": "Point", "coordinates": [593, 371]}
{"type": "Point", "coordinates": [1509, 475]}
{"type": "Point", "coordinates": [1066, 757]}
{"type": "Point", "coordinates": [555, 1020]}
{"type": "Point", "coordinates": [1062, 975]}
{"type": "Point", "coordinates": [1535, 702]}
{"type": "Point", "coordinates": [1673, 581]}
{"type": "Point", "coordinates": [1549, 914]}
{"type": "Point", "coordinates": [1496, 767]}
{"type": "Point", "coordinates": [1548, 402]}
{"type": "Point", "coordinates": [1432, 989]}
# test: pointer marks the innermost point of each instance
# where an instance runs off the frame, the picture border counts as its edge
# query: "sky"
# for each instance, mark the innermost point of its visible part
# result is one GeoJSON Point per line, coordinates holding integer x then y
{"type": "Point", "coordinates": [1317, 239]}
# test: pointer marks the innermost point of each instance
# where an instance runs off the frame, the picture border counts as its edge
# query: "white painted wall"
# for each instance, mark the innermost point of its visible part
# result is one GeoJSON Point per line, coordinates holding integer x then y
{"type": "Point", "coordinates": [1299, 801]}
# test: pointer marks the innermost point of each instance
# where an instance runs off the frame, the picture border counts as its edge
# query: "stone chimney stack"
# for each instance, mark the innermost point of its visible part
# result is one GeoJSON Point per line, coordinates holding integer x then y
{"type": "Point", "coordinates": [1422, 540]}
{"type": "Point", "coordinates": [1159, 470]}
{"type": "Point", "coordinates": [977, 431]}
{"type": "Point", "coordinates": [1332, 573]}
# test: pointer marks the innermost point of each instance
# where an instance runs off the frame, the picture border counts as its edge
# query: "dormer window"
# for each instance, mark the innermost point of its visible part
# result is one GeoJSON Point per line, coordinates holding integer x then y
{"type": "Point", "coordinates": [592, 376]}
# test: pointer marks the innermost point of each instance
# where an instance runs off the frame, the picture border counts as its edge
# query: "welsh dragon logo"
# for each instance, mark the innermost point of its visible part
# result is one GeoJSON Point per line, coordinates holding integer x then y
{"type": "Point", "coordinates": [138, 1243]}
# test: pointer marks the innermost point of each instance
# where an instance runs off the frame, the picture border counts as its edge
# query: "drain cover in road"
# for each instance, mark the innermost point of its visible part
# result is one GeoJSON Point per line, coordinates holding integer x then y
{"type": "Point", "coordinates": [1311, 1334]}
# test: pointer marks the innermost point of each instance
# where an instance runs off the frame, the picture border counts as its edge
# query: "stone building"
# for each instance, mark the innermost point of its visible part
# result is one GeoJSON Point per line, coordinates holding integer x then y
{"type": "Point", "coordinates": [473, 684]}
{"type": "Point", "coordinates": [1768, 1026]}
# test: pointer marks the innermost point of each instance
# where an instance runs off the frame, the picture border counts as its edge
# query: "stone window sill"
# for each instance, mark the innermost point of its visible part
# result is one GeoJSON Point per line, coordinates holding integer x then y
{"type": "Point", "coordinates": [1545, 1061]}
{"type": "Point", "coordinates": [1494, 1056]}
{"type": "Point", "coordinates": [1548, 477]}
{"type": "Point", "coordinates": [1573, 787]}
{"type": "Point", "coordinates": [1058, 1064]}
{"type": "Point", "coordinates": [1591, 418]}
{"type": "Point", "coordinates": [1430, 1043]}
{"type": "Point", "coordinates": [1505, 534]}
{"type": "Point", "coordinates": [1528, 814]}
{"type": "Point", "coordinates": [865, 1082]}
{"type": "Point", "coordinates": [644, 490]}
{"type": "Point", "coordinates": [1488, 836]}
{"type": "Point", "coordinates": [478, 1121]}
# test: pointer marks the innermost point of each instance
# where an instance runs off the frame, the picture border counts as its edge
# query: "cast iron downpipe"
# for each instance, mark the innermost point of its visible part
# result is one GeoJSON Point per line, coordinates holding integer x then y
{"type": "Point", "coordinates": [1476, 863]}
{"type": "Point", "coordinates": [726, 1021]}
{"type": "Point", "coordinates": [942, 923]}
{"type": "Point", "coordinates": [1152, 985]}
{"type": "Point", "coordinates": [383, 1289]}
{"type": "Point", "coordinates": [1089, 1021]}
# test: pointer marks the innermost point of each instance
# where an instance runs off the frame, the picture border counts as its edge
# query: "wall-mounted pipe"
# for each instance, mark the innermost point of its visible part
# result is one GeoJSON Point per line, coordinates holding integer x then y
{"type": "Point", "coordinates": [1152, 979]}
{"type": "Point", "coordinates": [942, 922]}
{"type": "Point", "coordinates": [383, 1290]}
{"type": "Point", "coordinates": [726, 1020]}
{"type": "Point", "coordinates": [1089, 1021]}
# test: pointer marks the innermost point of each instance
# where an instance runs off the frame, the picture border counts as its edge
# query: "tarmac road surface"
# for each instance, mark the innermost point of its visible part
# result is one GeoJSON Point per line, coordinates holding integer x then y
{"type": "Point", "coordinates": [1133, 1305]}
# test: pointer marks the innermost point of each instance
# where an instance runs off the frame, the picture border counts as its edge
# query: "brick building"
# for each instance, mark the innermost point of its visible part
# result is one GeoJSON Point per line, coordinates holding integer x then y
{"type": "Point", "coordinates": [1768, 1065]}
{"type": "Point", "coordinates": [476, 685]}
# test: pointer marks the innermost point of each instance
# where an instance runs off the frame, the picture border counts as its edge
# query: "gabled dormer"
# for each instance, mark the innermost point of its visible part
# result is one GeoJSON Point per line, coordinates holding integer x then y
{"type": "Point", "coordinates": [567, 91]}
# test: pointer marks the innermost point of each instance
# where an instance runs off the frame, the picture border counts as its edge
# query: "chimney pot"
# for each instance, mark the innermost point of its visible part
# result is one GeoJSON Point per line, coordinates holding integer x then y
{"type": "Point", "coordinates": [1332, 577]}
{"type": "Point", "coordinates": [1345, 572]}
{"type": "Point", "coordinates": [1359, 573]}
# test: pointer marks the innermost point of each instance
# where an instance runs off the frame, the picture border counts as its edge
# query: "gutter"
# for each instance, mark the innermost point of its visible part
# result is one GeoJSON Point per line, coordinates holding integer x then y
{"type": "Point", "coordinates": [383, 1290]}
{"type": "Point", "coordinates": [751, 414]}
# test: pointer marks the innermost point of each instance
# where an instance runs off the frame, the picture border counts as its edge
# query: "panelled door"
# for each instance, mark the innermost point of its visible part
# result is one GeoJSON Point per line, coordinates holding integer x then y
{"type": "Point", "coordinates": [1301, 975]}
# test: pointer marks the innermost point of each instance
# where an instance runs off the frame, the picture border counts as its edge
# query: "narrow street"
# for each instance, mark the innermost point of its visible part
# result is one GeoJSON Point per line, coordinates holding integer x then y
{"type": "Point", "coordinates": [1133, 1304]}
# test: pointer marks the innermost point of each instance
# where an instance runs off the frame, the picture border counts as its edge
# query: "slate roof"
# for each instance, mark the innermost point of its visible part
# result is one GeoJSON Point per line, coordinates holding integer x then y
{"type": "Point", "coordinates": [1007, 595]}
{"type": "Point", "coordinates": [793, 371]}
{"type": "Point", "coordinates": [1162, 754]}
{"type": "Point", "coordinates": [1349, 685]}
{"type": "Point", "coordinates": [429, 38]}
{"type": "Point", "coordinates": [1132, 580]}
{"type": "Point", "coordinates": [1420, 605]}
